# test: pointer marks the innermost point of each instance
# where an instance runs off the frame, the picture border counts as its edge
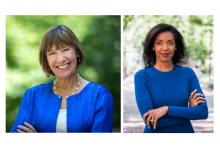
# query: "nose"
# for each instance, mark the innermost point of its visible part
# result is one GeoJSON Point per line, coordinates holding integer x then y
{"type": "Point", "coordinates": [165, 46]}
{"type": "Point", "coordinates": [60, 58]}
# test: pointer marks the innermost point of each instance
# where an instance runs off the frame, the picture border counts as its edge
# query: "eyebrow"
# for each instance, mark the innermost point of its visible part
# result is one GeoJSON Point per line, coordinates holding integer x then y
{"type": "Point", "coordinates": [50, 51]}
{"type": "Point", "coordinates": [162, 40]}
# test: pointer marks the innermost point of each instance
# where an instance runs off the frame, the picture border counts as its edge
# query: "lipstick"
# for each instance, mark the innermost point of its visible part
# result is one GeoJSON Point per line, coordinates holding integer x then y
{"type": "Point", "coordinates": [165, 54]}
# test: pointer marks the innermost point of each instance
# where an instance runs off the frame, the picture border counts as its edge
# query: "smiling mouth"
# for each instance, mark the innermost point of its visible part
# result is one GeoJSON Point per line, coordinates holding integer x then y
{"type": "Point", "coordinates": [63, 67]}
{"type": "Point", "coordinates": [165, 54]}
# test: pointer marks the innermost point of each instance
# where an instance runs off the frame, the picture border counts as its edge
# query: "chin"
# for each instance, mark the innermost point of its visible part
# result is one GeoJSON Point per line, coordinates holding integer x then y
{"type": "Point", "coordinates": [166, 60]}
{"type": "Point", "coordinates": [64, 76]}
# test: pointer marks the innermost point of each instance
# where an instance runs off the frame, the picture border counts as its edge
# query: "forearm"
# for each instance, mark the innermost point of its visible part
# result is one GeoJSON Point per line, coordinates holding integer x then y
{"type": "Point", "coordinates": [23, 113]}
{"type": "Point", "coordinates": [18, 121]}
{"type": "Point", "coordinates": [145, 103]}
{"type": "Point", "coordinates": [166, 121]}
{"type": "Point", "coordinates": [190, 113]}
{"type": "Point", "coordinates": [13, 131]}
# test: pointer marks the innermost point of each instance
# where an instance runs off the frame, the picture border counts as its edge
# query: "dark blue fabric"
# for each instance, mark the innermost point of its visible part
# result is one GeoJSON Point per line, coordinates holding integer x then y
{"type": "Point", "coordinates": [88, 111]}
{"type": "Point", "coordinates": [154, 89]}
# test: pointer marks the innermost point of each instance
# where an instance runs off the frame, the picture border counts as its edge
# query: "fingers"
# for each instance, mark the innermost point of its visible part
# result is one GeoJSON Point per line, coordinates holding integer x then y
{"type": "Point", "coordinates": [20, 131]}
{"type": "Point", "coordinates": [28, 130]}
{"type": "Point", "coordinates": [155, 123]}
{"type": "Point", "coordinates": [145, 115]}
{"type": "Point", "coordinates": [200, 98]}
{"type": "Point", "coordinates": [148, 121]}
{"type": "Point", "coordinates": [152, 118]}
{"type": "Point", "coordinates": [197, 95]}
{"type": "Point", "coordinates": [191, 95]}
{"type": "Point", "coordinates": [30, 126]}
{"type": "Point", "coordinates": [200, 101]}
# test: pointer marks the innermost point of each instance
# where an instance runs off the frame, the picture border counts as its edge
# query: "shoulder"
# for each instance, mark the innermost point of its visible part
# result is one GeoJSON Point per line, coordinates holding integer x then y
{"type": "Point", "coordinates": [185, 72]}
{"type": "Point", "coordinates": [34, 93]}
{"type": "Point", "coordinates": [99, 92]}
{"type": "Point", "coordinates": [184, 69]}
{"type": "Point", "coordinates": [144, 71]}
{"type": "Point", "coordinates": [41, 87]}
{"type": "Point", "coordinates": [143, 74]}
{"type": "Point", "coordinates": [99, 88]}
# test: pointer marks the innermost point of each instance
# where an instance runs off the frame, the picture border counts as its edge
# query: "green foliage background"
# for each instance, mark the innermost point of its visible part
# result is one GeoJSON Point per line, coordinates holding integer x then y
{"type": "Point", "coordinates": [99, 36]}
{"type": "Point", "coordinates": [197, 31]}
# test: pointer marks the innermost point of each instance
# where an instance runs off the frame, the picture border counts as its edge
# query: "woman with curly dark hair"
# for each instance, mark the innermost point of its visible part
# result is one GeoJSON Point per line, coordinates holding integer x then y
{"type": "Point", "coordinates": [168, 95]}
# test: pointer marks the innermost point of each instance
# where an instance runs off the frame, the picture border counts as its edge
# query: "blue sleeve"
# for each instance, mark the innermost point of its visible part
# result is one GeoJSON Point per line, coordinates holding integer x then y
{"type": "Point", "coordinates": [103, 112]}
{"type": "Point", "coordinates": [191, 113]}
{"type": "Point", "coordinates": [145, 103]}
{"type": "Point", "coordinates": [23, 113]}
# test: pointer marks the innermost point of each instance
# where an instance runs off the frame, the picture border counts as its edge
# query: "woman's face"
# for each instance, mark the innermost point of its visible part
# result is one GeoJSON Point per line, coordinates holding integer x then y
{"type": "Point", "coordinates": [62, 61]}
{"type": "Point", "coordinates": [164, 46]}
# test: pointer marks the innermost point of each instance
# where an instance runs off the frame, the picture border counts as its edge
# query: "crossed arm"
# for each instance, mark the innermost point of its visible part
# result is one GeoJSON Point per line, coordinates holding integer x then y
{"type": "Point", "coordinates": [169, 115]}
{"type": "Point", "coordinates": [24, 116]}
{"type": "Point", "coordinates": [102, 119]}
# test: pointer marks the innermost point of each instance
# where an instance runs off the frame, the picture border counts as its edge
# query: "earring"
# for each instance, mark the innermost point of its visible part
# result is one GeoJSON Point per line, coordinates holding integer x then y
{"type": "Point", "coordinates": [78, 60]}
{"type": "Point", "coordinates": [153, 49]}
{"type": "Point", "coordinates": [175, 49]}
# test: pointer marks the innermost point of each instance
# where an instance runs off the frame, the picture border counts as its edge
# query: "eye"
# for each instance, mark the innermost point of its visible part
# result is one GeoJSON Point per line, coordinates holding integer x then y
{"type": "Point", "coordinates": [158, 43]}
{"type": "Point", "coordinates": [66, 49]}
{"type": "Point", "coordinates": [171, 43]}
{"type": "Point", "coordinates": [51, 53]}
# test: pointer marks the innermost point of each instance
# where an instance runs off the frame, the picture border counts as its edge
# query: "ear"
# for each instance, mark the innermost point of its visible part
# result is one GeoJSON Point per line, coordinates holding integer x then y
{"type": "Point", "coordinates": [153, 48]}
{"type": "Point", "coordinates": [77, 55]}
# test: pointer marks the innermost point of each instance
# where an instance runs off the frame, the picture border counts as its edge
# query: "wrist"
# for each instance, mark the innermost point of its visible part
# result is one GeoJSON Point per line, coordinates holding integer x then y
{"type": "Point", "coordinates": [166, 109]}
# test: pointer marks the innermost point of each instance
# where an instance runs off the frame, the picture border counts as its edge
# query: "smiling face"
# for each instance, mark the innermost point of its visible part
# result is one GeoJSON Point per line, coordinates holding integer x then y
{"type": "Point", "coordinates": [164, 46]}
{"type": "Point", "coordinates": [62, 61]}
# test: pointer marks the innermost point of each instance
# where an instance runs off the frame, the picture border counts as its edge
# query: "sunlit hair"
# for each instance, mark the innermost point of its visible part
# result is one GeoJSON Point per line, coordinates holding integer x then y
{"type": "Point", "coordinates": [60, 36]}
{"type": "Point", "coordinates": [149, 56]}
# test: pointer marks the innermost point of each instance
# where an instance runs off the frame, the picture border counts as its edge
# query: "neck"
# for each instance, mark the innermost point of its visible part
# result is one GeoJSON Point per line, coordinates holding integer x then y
{"type": "Point", "coordinates": [164, 66]}
{"type": "Point", "coordinates": [67, 83]}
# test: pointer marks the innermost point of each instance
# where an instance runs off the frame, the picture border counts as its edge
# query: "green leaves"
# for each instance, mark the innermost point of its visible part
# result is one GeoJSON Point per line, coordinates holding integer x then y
{"type": "Point", "coordinates": [196, 30]}
{"type": "Point", "coordinates": [99, 36]}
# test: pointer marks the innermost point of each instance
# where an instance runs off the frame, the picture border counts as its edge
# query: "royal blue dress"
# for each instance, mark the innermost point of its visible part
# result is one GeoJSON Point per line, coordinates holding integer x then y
{"type": "Point", "coordinates": [88, 111]}
{"type": "Point", "coordinates": [154, 89]}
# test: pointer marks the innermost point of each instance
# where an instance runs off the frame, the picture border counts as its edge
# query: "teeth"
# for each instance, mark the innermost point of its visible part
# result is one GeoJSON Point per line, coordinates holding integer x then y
{"type": "Point", "coordinates": [62, 67]}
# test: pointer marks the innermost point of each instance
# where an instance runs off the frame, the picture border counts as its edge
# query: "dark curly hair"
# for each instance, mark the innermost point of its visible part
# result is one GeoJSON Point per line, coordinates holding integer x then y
{"type": "Point", "coordinates": [149, 56]}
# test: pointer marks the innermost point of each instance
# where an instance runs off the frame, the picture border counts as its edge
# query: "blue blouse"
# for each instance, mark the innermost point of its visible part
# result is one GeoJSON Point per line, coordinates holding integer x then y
{"type": "Point", "coordinates": [154, 89]}
{"type": "Point", "coordinates": [88, 111]}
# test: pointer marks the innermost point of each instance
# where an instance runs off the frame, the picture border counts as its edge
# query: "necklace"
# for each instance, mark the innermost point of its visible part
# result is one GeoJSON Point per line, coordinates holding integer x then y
{"type": "Point", "coordinates": [77, 84]}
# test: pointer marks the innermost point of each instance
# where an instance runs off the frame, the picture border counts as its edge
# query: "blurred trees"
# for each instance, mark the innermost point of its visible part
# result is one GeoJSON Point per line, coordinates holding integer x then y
{"type": "Point", "coordinates": [197, 31]}
{"type": "Point", "coordinates": [99, 36]}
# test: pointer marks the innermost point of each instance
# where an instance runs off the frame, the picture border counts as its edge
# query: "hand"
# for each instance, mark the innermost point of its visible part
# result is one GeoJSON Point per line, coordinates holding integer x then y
{"type": "Point", "coordinates": [30, 128]}
{"type": "Point", "coordinates": [154, 115]}
{"type": "Point", "coordinates": [195, 99]}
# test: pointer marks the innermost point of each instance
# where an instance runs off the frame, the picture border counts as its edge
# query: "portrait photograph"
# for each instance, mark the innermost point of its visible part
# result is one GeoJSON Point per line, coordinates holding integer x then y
{"type": "Point", "coordinates": [168, 74]}
{"type": "Point", "coordinates": [63, 73]}
{"type": "Point", "coordinates": [110, 76]}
